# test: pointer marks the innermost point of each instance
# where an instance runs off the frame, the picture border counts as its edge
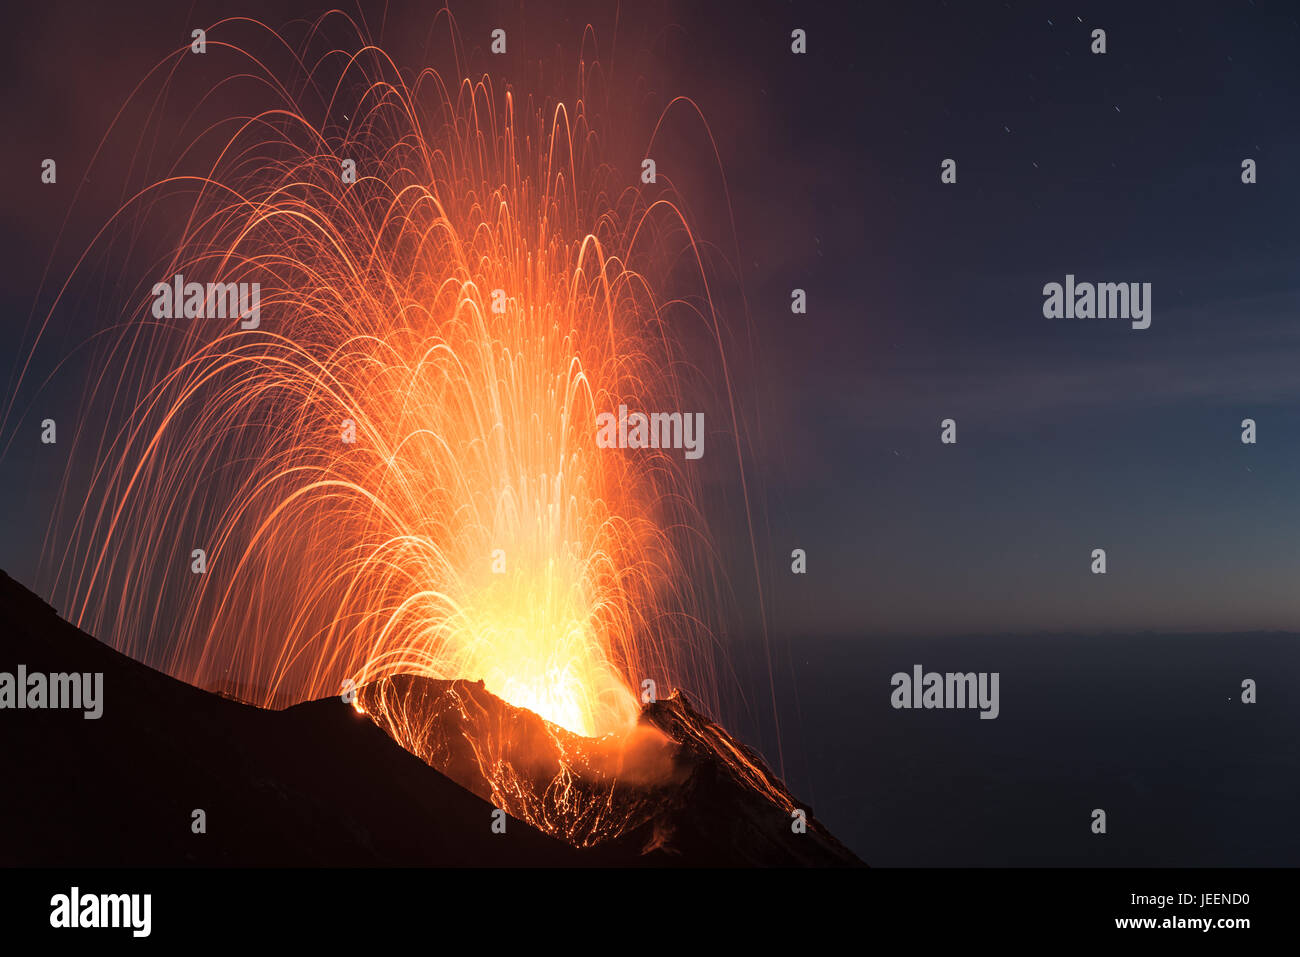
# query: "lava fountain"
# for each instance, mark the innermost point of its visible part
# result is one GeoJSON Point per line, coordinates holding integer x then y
{"type": "Point", "coordinates": [391, 470]}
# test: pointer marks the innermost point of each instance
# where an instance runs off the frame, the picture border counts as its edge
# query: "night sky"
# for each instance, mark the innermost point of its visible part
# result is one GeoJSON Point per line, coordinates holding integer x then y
{"type": "Point", "coordinates": [926, 304]}
{"type": "Point", "coordinates": [924, 298]}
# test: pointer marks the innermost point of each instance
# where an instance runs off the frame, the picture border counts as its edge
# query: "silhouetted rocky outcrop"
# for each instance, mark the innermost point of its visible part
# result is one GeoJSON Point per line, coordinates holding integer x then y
{"type": "Point", "coordinates": [320, 784]}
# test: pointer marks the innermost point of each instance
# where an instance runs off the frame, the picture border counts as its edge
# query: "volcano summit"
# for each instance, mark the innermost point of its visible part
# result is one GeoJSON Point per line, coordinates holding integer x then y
{"type": "Point", "coordinates": [319, 785]}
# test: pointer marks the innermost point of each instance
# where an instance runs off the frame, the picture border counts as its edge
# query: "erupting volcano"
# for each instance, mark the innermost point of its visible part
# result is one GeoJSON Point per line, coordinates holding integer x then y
{"type": "Point", "coordinates": [386, 483]}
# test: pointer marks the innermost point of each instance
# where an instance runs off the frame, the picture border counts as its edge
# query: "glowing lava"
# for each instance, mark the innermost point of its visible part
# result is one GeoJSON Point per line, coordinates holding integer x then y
{"type": "Point", "coordinates": [395, 472]}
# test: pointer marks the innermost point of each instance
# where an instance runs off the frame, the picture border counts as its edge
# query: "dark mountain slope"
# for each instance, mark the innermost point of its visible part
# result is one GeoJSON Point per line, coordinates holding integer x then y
{"type": "Point", "coordinates": [320, 785]}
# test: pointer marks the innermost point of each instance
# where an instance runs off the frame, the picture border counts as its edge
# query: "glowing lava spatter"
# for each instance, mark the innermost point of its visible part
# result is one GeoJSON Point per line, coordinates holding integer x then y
{"type": "Point", "coordinates": [395, 472]}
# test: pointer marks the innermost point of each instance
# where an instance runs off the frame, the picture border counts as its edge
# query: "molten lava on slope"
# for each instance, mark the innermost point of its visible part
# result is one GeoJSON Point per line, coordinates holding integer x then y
{"type": "Point", "coordinates": [674, 787]}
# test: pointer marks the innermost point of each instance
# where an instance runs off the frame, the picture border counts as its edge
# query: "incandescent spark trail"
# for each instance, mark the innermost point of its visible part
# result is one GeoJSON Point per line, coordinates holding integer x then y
{"type": "Point", "coordinates": [383, 460]}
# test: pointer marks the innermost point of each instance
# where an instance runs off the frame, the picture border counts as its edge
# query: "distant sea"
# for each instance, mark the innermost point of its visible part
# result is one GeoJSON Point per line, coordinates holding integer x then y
{"type": "Point", "coordinates": [1150, 728]}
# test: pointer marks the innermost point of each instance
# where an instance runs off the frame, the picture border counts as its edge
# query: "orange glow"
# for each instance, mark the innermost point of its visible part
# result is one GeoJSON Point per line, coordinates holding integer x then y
{"type": "Point", "coordinates": [463, 310]}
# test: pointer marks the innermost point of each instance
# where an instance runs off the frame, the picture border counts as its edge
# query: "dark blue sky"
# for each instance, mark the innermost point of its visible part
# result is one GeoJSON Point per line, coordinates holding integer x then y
{"type": "Point", "coordinates": [924, 299]}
